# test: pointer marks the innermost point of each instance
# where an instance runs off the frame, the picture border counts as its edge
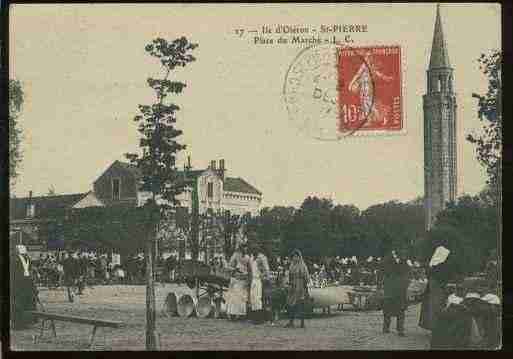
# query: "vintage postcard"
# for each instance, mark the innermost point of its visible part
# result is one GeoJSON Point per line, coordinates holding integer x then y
{"type": "Point", "coordinates": [255, 176]}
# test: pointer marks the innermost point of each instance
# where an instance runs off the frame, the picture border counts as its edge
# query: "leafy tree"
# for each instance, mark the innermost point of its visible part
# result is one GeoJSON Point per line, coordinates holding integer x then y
{"type": "Point", "coordinates": [269, 228]}
{"type": "Point", "coordinates": [489, 141]}
{"type": "Point", "coordinates": [159, 144]}
{"type": "Point", "coordinates": [118, 228]}
{"type": "Point", "coordinates": [16, 99]}
{"type": "Point", "coordinates": [157, 125]}
{"type": "Point", "coordinates": [310, 228]}
{"type": "Point", "coordinates": [475, 219]}
{"type": "Point", "coordinates": [393, 224]}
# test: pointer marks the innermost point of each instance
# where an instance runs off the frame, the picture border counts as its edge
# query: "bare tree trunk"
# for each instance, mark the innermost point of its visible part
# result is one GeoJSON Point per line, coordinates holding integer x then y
{"type": "Point", "coordinates": [151, 339]}
{"type": "Point", "coordinates": [499, 221]}
{"type": "Point", "coordinates": [499, 185]}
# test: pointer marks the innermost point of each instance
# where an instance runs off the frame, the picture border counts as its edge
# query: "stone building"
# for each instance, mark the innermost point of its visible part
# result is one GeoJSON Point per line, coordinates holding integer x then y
{"type": "Point", "coordinates": [119, 184]}
{"type": "Point", "coordinates": [440, 146]}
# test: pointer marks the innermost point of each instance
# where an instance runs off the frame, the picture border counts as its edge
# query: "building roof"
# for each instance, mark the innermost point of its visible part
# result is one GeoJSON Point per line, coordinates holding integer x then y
{"type": "Point", "coordinates": [45, 206]}
{"type": "Point", "coordinates": [231, 184]}
{"type": "Point", "coordinates": [138, 174]}
{"type": "Point", "coordinates": [239, 185]}
{"type": "Point", "coordinates": [131, 168]}
{"type": "Point", "coordinates": [439, 54]}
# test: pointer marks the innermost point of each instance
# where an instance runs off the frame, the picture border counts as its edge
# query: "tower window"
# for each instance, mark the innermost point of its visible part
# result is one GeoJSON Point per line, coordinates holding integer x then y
{"type": "Point", "coordinates": [116, 188]}
{"type": "Point", "coordinates": [210, 190]}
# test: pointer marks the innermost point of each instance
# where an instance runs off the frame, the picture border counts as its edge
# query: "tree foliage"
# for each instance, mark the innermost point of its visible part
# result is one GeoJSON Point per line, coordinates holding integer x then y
{"type": "Point", "coordinates": [474, 218]}
{"type": "Point", "coordinates": [270, 227]}
{"type": "Point", "coordinates": [16, 99]}
{"type": "Point", "coordinates": [118, 228]}
{"type": "Point", "coordinates": [322, 229]}
{"type": "Point", "coordinates": [156, 124]}
{"type": "Point", "coordinates": [489, 141]}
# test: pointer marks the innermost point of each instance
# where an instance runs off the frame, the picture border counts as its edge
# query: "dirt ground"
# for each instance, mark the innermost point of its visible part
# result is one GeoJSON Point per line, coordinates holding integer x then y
{"type": "Point", "coordinates": [346, 330]}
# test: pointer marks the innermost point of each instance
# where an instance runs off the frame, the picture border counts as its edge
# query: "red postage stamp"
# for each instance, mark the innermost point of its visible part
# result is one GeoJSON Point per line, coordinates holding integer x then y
{"type": "Point", "coordinates": [369, 89]}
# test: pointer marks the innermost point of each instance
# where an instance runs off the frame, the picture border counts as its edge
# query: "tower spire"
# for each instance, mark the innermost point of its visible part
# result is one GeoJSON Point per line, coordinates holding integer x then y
{"type": "Point", "coordinates": [439, 55]}
{"type": "Point", "coordinates": [440, 142]}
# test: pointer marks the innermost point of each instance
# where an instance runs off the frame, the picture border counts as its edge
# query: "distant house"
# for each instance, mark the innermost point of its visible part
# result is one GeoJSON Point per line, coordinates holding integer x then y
{"type": "Point", "coordinates": [31, 218]}
{"type": "Point", "coordinates": [120, 184]}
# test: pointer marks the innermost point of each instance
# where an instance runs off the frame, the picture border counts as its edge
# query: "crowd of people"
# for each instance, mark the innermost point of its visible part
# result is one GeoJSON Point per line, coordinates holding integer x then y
{"type": "Point", "coordinates": [353, 271]}
{"type": "Point", "coordinates": [53, 269]}
{"type": "Point", "coordinates": [255, 293]}
{"type": "Point", "coordinates": [460, 316]}
{"type": "Point", "coordinates": [259, 291]}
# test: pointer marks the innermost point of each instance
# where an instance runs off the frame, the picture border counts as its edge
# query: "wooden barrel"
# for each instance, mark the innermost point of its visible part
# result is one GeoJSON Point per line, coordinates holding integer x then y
{"type": "Point", "coordinates": [205, 307]}
{"type": "Point", "coordinates": [171, 304]}
{"type": "Point", "coordinates": [186, 306]}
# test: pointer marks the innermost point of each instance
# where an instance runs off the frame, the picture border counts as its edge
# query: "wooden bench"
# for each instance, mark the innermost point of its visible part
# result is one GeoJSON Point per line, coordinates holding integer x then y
{"type": "Point", "coordinates": [51, 317]}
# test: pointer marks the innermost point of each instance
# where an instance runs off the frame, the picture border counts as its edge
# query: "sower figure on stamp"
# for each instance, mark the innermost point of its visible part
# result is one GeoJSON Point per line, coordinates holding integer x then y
{"type": "Point", "coordinates": [362, 82]}
{"type": "Point", "coordinates": [396, 278]}
{"type": "Point", "coordinates": [298, 289]}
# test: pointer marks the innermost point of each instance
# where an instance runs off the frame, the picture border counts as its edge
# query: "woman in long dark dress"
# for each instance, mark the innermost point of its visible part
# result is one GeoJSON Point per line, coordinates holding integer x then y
{"type": "Point", "coordinates": [298, 289]}
{"type": "Point", "coordinates": [23, 290]}
{"type": "Point", "coordinates": [441, 269]}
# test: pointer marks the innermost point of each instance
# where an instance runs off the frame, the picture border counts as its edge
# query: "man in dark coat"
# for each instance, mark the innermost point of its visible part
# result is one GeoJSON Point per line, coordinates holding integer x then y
{"type": "Point", "coordinates": [23, 290]}
{"type": "Point", "coordinates": [71, 269]}
{"type": "Point", "coordinates": [396, 278]}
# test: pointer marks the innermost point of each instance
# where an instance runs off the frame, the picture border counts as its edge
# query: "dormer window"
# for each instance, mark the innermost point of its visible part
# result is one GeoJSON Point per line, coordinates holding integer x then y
{"type": "Point", "coordinates": [116, 189]}
{"type": "Point", "coordinates": [31, 210]}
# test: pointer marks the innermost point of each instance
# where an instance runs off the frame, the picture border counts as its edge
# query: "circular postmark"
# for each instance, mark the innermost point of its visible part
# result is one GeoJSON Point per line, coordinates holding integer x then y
{"type": "Point", "coordinates": [312, 93]}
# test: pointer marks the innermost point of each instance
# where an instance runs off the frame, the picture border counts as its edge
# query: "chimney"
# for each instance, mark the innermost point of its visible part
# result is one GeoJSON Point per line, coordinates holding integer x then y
{"type": "Point", "coordinates": [30, 207]}
{"type": "Point", "coordinates": [221, 168]}
{"type": "Point", "coordinates": [213, 165]}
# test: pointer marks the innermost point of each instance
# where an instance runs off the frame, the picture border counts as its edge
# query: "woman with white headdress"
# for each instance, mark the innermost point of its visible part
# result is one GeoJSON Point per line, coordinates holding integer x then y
{"type": "Point", "coordinates": [237, 296]}
{"type": "Point", "coordinates": [440, 271]}
{"type": "Point", "coordinates": [23, 290]}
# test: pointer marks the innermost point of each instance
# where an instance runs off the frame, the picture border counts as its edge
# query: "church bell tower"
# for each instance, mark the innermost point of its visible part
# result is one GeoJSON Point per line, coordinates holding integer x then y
{"type": "Point", "coordinates": [439, 103]}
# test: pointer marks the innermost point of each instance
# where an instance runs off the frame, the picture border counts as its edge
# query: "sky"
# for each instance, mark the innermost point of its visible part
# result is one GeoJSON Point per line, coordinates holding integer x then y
{"type": "Point", "coordinates": [84, 69]}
